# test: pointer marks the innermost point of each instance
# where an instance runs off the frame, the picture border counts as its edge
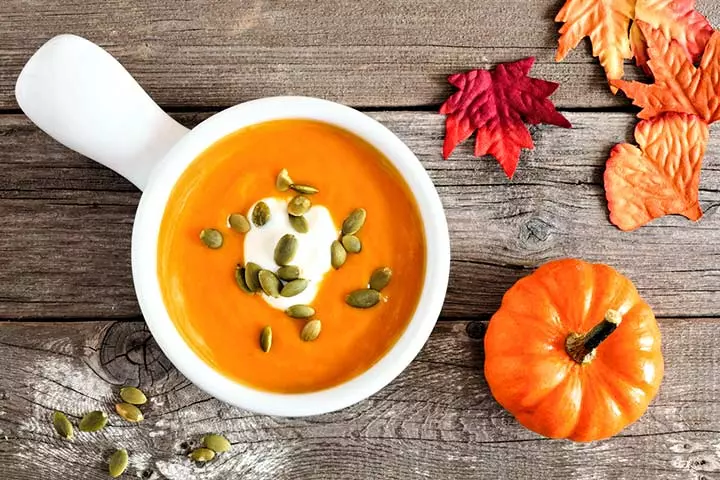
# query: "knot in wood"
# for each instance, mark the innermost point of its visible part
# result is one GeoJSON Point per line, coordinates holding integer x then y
{"type": "Point", "coordinates": [130, 355]}
{"type": "Point", "coordinates": [534, 232]}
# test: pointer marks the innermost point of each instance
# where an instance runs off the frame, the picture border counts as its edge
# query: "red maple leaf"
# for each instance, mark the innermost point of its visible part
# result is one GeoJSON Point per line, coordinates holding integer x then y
{"type": "Point", "coordinates": [497, 103]}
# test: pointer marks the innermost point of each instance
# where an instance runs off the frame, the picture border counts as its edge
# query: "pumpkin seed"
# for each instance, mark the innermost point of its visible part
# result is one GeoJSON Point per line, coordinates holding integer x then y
{"type": "Point", "coordinates": [211, 238]}
{"type": "Point", "coordinates": [299, 224]}
{"type": "Point", "coordinates": [133, 395]}
{"type": "Point", "coordinates": [266, 339]}
{"type": "Point", "coordinates": [300, 311]}
{"type": "Point", "coordinates": [239, 223]}
{"type": "Point", "coordinates": [380, 278]}
{"type": "Point", "coordinates": [304, 189]}
{"type": "Point", "coordinates": [354, 222]}
{"type": "Point", "coordinates": [260, 214]}
{"type": "Point", "coordinates": [240, 280]}
{"type": "Point", "coordinates": [338, 255]}
{"type": "Point", "coordinates": [216, 443]}
{"type": "Point", "coordinates": [283, 181]}
{"type": "Point", "coordinates": [202, 454]}
{"type": "Point", "coordinates": [363, 298]}
{"type": "Point", "coordinates": [251, 276]}
{"type": "Point", "coordinates": [62, 425]}
{"type": "Point", "coordinates": [299, 206]}
{"type": "Point", "coordinates": [129, 412]}
{"type": "Point", "coordinates": [269, 283]}
{"type": "Point", "coordinates": [93, 421]}
{"type": "Point", "coordinates": [351, 243]}
{"type": "Point", "coordinates": [294, 287]}
{"type": "Point", "coordinates": [285, 249]}
{"type": "Point", "coordinates": [118, 463]}
{"type": "Point", "coordinates": [288, 273]}
{"type": "Point", "coordinates": [310, 331]}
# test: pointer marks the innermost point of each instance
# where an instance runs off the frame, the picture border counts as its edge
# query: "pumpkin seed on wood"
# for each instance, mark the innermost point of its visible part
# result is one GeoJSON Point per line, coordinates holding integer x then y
{"type": "Point", "coordinates": [266, 339]}
{"type": "Point", "coordinates": [300, 311]}
{"type": "Point", "coordinates": [269, 283]}
{"type": "Point", "coordinates": [240, 280]}
{"type": "Point", "coordinates": [239, 223]}
{"type": "Point", "coordinates": [304, 189]}
{"type": "Point", "coordinates": [118, 463]}
{"type": "Point", "coordinates": [93, 421]}
{"type": "Point", "coordinates": [380, 278]}
{"type": "Point", "coordinates": [299, 224]}
{"type": "Point", "coordinates": [133, 395]}
{"type": "Point", "coordinates": [216, 443]}
{"type": "Point", "coordinates": [251, 276]}
{"type": "Point", "coordinates": [288, 273]}
{"type": "Point", "coordinates": [338, 254]}
{"type": "Point", "coordinates": [311, 331]}
{"type": "Point", "coordinates": [202, 454]}
{"type": "Point", "coordinates": [299, 206]}
{"type": "Point", "coordinates": [351, 243]}
{"type": "Point", "coordinates": [129, 412]}
{"type": "Point", "coordinates": [62, 425]}
{"type": "Point", "coordinates": [354, 222]}
{"type": "Point", "coordinates": [260, 214]}
{"type": "Point", "coordinates": [285, 249]}
{"type": "Point", "coordinates": [283, 181]}
{"type": "Point", "coordinates": [294, 287]}
{"type": "Point", "coordinates": [363, 298]}
{"type": "Point", "coordinates": [211, 238]}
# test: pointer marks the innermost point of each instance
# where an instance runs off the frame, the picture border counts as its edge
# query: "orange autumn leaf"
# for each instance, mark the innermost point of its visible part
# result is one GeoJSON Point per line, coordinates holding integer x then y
{"type": "Point", "coordinates": [606, 22]}
{"type": "Point", "coordinates": [661, 177]}
{"type": "Point", "coordinates": [679, 86]}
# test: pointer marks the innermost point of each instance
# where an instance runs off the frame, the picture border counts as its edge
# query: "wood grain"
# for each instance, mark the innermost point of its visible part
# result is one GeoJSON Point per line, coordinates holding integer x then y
{"type": "Point", "coordinates": [65, 222]}
{"type": "Point", "coordinates": [437, 420]}
{"type": "Point", "coordinates": [389, 53]}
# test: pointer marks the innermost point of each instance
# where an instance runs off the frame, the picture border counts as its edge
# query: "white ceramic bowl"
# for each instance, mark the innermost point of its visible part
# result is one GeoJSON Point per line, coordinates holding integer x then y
{"type": "Point", "coordinates": [95, 117]}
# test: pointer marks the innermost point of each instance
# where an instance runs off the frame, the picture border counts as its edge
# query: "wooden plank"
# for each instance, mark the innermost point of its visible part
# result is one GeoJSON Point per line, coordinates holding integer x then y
{"type": "Point", "coordinates": [66, 222]}
{"type": "Point", "coordinates": [390, 53]}
{"type": "Point", "coordinates": [437, 420]}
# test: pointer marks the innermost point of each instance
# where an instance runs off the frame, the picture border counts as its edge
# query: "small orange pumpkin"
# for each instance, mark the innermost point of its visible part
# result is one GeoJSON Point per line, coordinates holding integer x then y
{"type": "Point", "coordinates": [574, 352]}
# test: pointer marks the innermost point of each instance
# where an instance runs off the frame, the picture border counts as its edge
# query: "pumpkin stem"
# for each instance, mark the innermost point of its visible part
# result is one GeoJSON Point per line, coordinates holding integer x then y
{"type": "Point", "coordinates": [581, 347]}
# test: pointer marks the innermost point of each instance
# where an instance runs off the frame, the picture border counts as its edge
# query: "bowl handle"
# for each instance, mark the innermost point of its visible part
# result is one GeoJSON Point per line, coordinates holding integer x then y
{"type": "Point", "coordinates": [82, 97]}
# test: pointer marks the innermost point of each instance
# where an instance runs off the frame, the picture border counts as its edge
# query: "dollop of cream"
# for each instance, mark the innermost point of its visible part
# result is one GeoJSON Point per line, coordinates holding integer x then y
{"type": "Point", "coordinates": [313, 252]}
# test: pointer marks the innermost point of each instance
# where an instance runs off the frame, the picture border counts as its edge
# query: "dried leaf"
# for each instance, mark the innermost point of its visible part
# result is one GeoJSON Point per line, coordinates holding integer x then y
{"type": "Point", "coordinates": [679, 86]}
{"type": "Point", "coordinates": [496, 103]}
{"type": "Point", "coordinates": [662, 176]}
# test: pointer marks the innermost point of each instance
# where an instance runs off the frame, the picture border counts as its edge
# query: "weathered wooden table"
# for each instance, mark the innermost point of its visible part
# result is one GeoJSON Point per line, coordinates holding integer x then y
{"type": "Point", "coordinates": [73, 333]}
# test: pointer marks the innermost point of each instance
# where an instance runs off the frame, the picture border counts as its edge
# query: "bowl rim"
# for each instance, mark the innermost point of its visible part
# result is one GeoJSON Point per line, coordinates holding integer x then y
{"type": "Point", "coordinates": [147, 285]}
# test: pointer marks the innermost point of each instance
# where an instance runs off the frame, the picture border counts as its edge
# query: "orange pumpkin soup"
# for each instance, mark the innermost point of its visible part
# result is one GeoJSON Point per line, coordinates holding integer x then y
{"type": "Point", "coordinates": [222, 323]}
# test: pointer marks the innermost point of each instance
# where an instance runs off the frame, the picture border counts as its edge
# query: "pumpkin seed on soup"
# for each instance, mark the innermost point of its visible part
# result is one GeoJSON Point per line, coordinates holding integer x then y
{"type": "Point", "coordinates": [299, 206]}
{"type": "Point", "coordinates": [299, 224]}
{"type": "Point", "coordinates": [380, 278]}
{"type": "Point", "coordinates": [202, 454]}
{"type": "Point", "coordinates": [216, 443]}
{"type": "Point", "coordinates": [93, 421]}
{"type": "Point", "coordinates": [338, 255]}
{"type": "Point", "coordinates": [269, 283]}
{"type": "Point", "coordinates": [240, 280]}
{"type": "Point", "coordinates": [129, 412]}
{"type": "Point", "coordinates": [363, 298]}
{"type": "Point", "coordinates": [311, 331]}
{"type": "Point", "coordinates": [260, 214]}
{"type": "Point", "coordinates": [239, 223]}
{"type": "Point", "coordinates": [304, 189]}
{"type": "Point", "coordinates": [354, 222]}
{"type": "Point", "coordinates": [283, 181]}
{"type": "Point", "coordinates": [133, 395]}
{"type": "Point", "coordinates": [300, 311]}
{"type": "Point", "coordinates": [285, 249]}
{"type": "Point", "coordinates": [118, 463]}
{"type": "Point", "coordinates": [288, 273]}
{"type": "Point", "coordinates": [252, 279]}
{"type": "Point", "coordinates": [62, 425]}
{"type": "Point", "coordinates": [211, 238]}
{"type": "Point", "coordinates": [351, 243]}
{"type": "Point", "coordinates": [266, 339]}
{"type": "Point", "coordinates": [294, 287]}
